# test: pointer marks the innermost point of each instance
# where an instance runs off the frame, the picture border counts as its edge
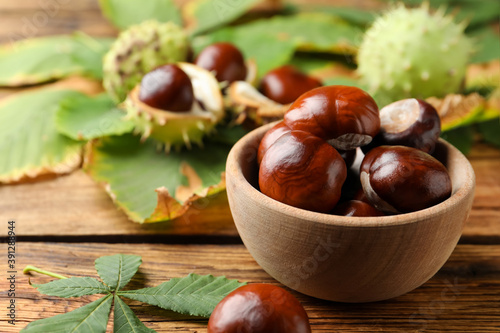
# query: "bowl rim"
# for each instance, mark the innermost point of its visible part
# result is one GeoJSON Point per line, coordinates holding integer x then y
{"type": "Point", "coordinates": [234, 170]}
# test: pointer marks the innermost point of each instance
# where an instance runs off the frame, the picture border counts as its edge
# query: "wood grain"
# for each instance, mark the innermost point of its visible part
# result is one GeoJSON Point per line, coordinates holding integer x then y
{"type": "Point", "coordinates": [462, 296]}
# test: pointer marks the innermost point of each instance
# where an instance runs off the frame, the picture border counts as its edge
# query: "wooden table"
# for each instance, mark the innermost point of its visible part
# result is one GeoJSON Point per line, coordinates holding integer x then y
{"type": "Point", "coordinates": [64, 224]}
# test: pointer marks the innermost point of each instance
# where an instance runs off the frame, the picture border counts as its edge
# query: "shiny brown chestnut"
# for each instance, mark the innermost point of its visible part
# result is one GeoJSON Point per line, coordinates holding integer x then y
{"type": "Point", "coordinates": [400, 179]}
{"type": "Point", "coordinates": [286, 83]}
{"type": "Point", "coordinates": [303, 171]}
{"type": "Point", "coordinates": [356, 208]}
{"type": "Point", "coordinates": [270, 137]}
{"type": "Point", "coordinates": [259, 308]}
{"type": "Point", "coordinates": [410, 122]}
{"type": "Point", "coordinates": [280, 128]}
{"type": "Point", "coordinates": [225, 60]}
{"type": "Point", "coordinates": [345, 116]}
{"type": "Point", "coordinates": [167, 88]}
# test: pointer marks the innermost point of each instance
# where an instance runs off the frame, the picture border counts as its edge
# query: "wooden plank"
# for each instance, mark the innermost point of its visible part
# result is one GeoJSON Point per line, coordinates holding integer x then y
{"type": "Point", "coordinates": [74, 205]}
{"type": "Point", "coordinates": [32, 18]}
{"type": "Point", "coordinates": [463, 296]}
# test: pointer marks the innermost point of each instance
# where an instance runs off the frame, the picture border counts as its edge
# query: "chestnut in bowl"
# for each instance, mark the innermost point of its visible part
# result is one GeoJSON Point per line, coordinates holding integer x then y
{"type": "Point", "coordinates": [346, 258]}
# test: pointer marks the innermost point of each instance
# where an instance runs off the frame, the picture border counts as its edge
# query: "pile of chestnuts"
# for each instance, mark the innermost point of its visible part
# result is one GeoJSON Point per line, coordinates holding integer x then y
{"type": "Point", "coordinates": [168, 88]}
{"type": "Point", "coordinates": [304, 160]}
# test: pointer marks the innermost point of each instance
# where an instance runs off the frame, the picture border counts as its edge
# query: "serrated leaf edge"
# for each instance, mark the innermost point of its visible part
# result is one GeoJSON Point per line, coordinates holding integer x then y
{"type": "Point", "coordinates": [104, 290]}
{"type": "Point", "coordinates": [167, 207]}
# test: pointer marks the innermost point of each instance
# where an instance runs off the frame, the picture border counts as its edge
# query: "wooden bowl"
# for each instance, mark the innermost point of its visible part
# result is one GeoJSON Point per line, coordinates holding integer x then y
{"type": "Point", "coordinates": [346, 259]}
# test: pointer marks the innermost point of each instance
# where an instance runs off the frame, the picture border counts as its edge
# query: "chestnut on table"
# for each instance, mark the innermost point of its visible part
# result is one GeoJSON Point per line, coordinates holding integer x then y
{"type": "Point", "coordinates": [259, 307]}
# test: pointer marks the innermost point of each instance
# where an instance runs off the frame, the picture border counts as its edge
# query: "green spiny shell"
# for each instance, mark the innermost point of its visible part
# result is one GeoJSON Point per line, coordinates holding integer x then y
{"type": "Point", "coordinates": [137, 51]}
{"type": "Point", "coordinates": [413, 53]}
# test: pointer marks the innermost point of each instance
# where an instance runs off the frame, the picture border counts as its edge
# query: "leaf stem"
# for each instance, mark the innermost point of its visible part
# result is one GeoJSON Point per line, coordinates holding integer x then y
{"type": "Point", "coordinates": [30, 268]}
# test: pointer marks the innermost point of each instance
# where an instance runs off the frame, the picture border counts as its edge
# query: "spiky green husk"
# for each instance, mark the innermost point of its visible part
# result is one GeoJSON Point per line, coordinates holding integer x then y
{"type": "Point", "coordinates": [137, 51]}
{"type": "Point", "coordinates": [179, 129]}
{"type": "Point", "coordinates": [413, 53]}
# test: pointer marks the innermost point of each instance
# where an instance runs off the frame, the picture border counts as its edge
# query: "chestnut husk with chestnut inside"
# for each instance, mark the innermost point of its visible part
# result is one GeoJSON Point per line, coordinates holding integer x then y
{"type": "Point", "coordinates": [276, 91]}
{"type": "Point", "coordinates": [175, 104]}
{"type": "Point", "coordinates": [400, 179]}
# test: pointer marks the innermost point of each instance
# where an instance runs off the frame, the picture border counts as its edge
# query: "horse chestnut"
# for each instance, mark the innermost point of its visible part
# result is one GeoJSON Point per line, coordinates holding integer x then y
{"type": "Point", "coordinates": [259, 308]}
{"type": "Point", "coordinates": [270, 137]}
{"type": "Point", "coordinates": [225, 60]}
{"type": "Point", "coordinates": [303, 171]}
{"type": "Point", "coordinates": [167, 88]}
{"type": "Point", "coordinates": [285, 84]}
{"type": "Point", "coordinates": [356, 208]}
{"type": "Point", "coordinates": [346, 116]}
{"type": "Point", "coordinates": [399, 179]}
{"type": "Point", "coordinates": [410, 122]}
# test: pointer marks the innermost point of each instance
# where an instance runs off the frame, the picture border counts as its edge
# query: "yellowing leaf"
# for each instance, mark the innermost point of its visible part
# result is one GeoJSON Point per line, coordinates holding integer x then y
{"type": "Point", "coordinates": [30, 145]}
{"type": "Point", "coordinates": [151, 186]}
{"type": "Point", "coordinates": [458, 110]}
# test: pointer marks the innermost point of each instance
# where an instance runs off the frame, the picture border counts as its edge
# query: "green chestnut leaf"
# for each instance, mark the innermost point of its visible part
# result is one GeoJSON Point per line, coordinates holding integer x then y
{"type": "Point", "coordinates": [72, 287]}
{"type": "Point", "coordinates": [92, 317]}
{"type": "Point", "coordinates": [193, 294]}
{"type": "Point", "coordinates": [196, 295]}
{"type": "Point", "coordinates": [123, 14]}
{"type": "Point", "coordinates": [272, 42]}
{"type": "Point", "coordinates": [38, 60]}
{"type": "Point", "coordinates": [125, 319]}
{"type": "Point", "coordinates": [30, 145]}
{"type": "Point", "coordinates": [487, 45]}
{"type": "Point", "coordinates": [489, 131]}
{"type": "Point", "coordinates": [84, 117]}
{"type": "Point", "coordinates": [117, 270]}
{"type": "Point", "coordinates": [163, 185]}
{"type": "Point", "coordinates": [461, 137]}
{"type": "Point", "coordinates": [204, 15]}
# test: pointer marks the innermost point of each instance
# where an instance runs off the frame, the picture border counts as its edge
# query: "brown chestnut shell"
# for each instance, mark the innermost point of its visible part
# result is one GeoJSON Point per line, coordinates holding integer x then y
{"type": "Point", "coordinates": [410, 122]}
{"type": "Point", "coordinates": [400, 179]}
{"type": "Point", "coordinates": [286, 83]}
{"type": "Point", "coordinates": [303, 171]}
{"type": "Point", "coordinates": [356, 208]}
{"type": "Point", "coordinates": [259, 307]}
{"type": "Point", "coordinates": [347, 117]}
{"type": "Point", "coordinates": [167, 88]}
{"type": "Point", "coordinates": [225, 60]}
{"type": "Point", "coordinates": [270, 137]}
